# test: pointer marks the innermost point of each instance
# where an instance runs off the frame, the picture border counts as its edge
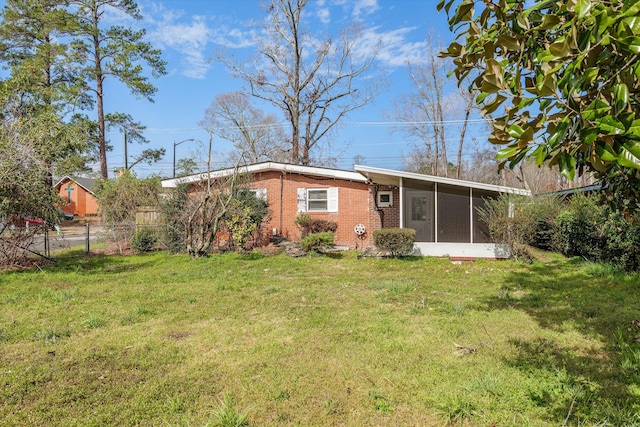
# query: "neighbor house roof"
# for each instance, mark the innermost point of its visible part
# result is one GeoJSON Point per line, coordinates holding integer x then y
{"type": "Point", "coordinates": [86, 183]}
{"type": "Point", "coordinates": [268, 167]}
{"type": "Point", "coordinates": [393, 177]}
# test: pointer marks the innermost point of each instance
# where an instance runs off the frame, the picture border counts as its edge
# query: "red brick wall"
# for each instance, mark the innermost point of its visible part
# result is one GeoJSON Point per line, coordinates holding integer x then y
{"type": "Point", "coordinates": [354, 198]}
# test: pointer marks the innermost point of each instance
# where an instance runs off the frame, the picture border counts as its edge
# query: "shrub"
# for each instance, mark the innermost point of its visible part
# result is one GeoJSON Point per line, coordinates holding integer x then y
{"type": "Point", "coordinates": [175, 218]}
{"type": "Point", "coordinates": [578, 229]}
{"type": "Point", "coordinates": [144, 240]}
{"type": "Point", "coordinates": [511, 222]}
{"type": "Point", "coordinates": [544, 210]}
{"type": "Point", "coordinates": [621, 242]}
{"type": "Point", "coordinates": [398, 241]}
{"type": "Point", "coordinates": [318, 242]}
{"type": "Point", "coordinates": [309, 225]}
{"type": "Point", "coordinates": [244, 218]}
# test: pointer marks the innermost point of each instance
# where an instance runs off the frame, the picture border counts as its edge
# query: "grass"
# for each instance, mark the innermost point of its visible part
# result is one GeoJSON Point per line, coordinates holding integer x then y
{"type": "Point", "coordinates": [272, 341]}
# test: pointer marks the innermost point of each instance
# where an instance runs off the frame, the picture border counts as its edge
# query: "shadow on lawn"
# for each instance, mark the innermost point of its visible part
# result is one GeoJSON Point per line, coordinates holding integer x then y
{"type": "Point", "coordinates": [91, 264]}
{"type": "Point", "coordinates": [595, 382]}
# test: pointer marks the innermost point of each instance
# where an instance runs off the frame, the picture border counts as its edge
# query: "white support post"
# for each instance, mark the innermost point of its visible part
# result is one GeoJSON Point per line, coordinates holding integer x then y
{"type": "Point", "coordinates": [401, 191]}
{"type": "Point", "coordinates": [435, 208]}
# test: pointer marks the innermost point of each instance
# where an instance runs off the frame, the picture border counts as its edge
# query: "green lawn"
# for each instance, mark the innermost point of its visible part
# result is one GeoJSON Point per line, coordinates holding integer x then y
{"type": "Point", "coordinates": [164, 340]}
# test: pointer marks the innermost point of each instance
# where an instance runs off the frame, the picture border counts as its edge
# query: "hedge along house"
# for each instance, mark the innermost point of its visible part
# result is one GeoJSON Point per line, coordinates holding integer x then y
{"type": "Point", "coordinates": [290, 190]}
{"type": "Point", "coordinates": [77, 195]}
{"type": "Point", "coordinates": [443, 211]}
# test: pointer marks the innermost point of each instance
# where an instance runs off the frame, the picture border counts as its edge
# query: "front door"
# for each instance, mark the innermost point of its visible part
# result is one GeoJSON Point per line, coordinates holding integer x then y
{"type": "Point", "coordinates": [419, 213]}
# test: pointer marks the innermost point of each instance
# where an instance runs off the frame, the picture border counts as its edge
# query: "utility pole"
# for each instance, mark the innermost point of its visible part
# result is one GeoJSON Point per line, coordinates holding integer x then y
{"type": "Point", "coordinates": [175, 144]}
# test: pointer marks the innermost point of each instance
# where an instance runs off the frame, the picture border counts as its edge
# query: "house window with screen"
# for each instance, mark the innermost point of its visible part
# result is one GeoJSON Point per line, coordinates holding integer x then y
{"type": "Point", "coordinates": [317, 200]}
{"type": "Point", "coordinates": [385, 199]}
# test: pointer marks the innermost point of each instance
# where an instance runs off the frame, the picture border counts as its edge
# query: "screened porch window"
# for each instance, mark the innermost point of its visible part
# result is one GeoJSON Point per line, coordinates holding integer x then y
{"type": "Point", "coordinates": [454, 215]}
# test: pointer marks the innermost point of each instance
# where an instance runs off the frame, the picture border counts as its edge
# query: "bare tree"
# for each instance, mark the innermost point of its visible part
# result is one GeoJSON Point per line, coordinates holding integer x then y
{"type": "Point", "coordinates": [315, 81]}
{"type": "Point", "coordinates": [210, 203]}
{"type": "Point", "coordinates": [257, 136]}
{"type": "Point", "coordinates": [424, 113]}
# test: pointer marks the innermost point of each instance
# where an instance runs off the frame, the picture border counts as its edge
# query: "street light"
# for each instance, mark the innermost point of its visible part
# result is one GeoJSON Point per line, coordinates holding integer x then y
{"type": "Point", "coordinates": [175, 144]}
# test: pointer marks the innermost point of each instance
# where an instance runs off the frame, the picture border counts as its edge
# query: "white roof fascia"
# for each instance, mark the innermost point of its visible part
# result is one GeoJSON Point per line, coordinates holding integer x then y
{"type": "Point", "coordinates": [364, 170]}
{"type": "Point", "coordinates": [266, 167]}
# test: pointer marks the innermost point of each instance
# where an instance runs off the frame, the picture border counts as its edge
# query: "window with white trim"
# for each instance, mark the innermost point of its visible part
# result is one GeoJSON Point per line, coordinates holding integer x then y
{"type": "Point", "coordinates": [385, 199]}
{"type": "Point", "coordinates": [318, 199]}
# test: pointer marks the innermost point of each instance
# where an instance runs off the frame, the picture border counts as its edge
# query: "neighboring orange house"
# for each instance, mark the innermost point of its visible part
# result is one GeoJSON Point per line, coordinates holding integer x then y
{"type": "Point", "coordinates": [77, 195]}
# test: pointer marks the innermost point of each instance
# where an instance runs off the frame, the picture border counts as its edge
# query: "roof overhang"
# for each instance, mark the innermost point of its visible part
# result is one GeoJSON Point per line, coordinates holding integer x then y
{"type": "Point", "coordinates": [267, 167]}
{"type": "Point", "coordinates": [393, 177]}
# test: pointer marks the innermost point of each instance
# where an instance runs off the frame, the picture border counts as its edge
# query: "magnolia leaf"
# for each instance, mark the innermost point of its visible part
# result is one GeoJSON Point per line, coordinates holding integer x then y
{"type": "Point", "coordinates": [549, 21]}
{"type": "Point", "coordinates": [566, 165]}
{"type": "Point", "coordinates": [596, 109]}
{"type": "Point", "coordinates": [582, 8]}
{"type": "Point", "coordinates": [560, 49]}
{"type": "Point", "coordinates": [558, 134]}
{"type": "Point", "coordinates": [493, 105]}
{"type": "Point", "coordinates": [547, 86]}
{"type": "Point", "coordinates": [605, 152]}
{"type": "Point", "coordinates": [609, 125]}
{"type": "Point", "coordinates": [540, 154]}
{"type": "Point", "coordinates": [515, 131]}
{"type": "Point", "coordinates": [621, 97]}
{"type": "Point", "coordinates": [633, 147]}
{"type": "Point", "coordinates": [588, 135]}
{"type": "Point", "coordinates": [631, 43]}
{"type": "Point", "coordinates": [464, 12]}
{"type": "Point", "coordinates": [628, 159]}
{"type": "Point", "coordinates": [634, 129]}
{"type": "Point", "coordinates": [631, 8]}
{"type": "Point", "coordinates": [508, 43]}
{"type": "Point", "coordinates": [507, 152]}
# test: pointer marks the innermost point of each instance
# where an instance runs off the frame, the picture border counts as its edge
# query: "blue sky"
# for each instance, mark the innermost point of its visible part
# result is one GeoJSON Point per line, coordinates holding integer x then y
{"type": "Point", "coordinates": [189, 32]}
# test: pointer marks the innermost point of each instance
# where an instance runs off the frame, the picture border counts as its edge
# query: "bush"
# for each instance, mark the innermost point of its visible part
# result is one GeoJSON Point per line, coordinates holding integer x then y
{"type": "Point", "coordinates": [175, 218]}
{"type": "Point", "coordinates": [318, 242]}
{"type": "Point", "coordinates": [309, 225]}
{"type": "Point", "coordinates": [621, 242]}
{"type": "Point", "coordinates": [244, 218]}
{"type": "Point", "coordinates": [144, 240]}
{"type": "Point", "coordinates": [511, 222]}
{"type": "Point", "coordinates": [398, 241]}
{"type": "Point", "coordinates": [578, 229]}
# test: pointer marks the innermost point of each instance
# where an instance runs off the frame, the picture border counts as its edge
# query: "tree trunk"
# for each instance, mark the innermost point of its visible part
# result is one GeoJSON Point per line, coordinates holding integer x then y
{"type": "Point", "coordinates": [102, 139]}
{"type": "Point", "coordinates": [462, 134]}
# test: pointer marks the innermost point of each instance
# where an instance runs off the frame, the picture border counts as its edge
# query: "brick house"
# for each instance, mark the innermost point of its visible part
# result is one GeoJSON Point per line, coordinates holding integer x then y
{"type": "Point", "coordinates": [77, 195]}
{"type": "Point", "coordinates": [441, 210]}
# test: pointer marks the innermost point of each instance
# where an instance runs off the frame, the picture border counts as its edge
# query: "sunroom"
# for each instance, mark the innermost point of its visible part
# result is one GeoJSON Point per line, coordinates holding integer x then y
{"type": "Point", "coordinates": [443, 211]}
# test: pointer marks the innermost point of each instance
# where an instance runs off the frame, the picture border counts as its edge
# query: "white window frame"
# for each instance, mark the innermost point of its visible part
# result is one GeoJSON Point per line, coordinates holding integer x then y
{"type": "Point", "coordinates": [309, 200]}
{"type": "Point", "coordinates": [331, 199]}
{"type": "Point", "coordinates": [382, 204]}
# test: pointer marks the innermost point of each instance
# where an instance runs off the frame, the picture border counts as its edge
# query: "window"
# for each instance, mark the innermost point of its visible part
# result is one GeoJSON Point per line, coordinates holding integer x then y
{"type": "Point", "coordinates": [385, 199]}
{"type": "Point", "coordinates": [317, 200]}
{"type": "Point", "coordinates": [258, 193]}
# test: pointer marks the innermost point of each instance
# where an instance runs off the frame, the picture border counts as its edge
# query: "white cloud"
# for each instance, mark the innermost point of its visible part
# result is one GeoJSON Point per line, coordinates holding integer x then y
{"type": "Point", "coordinates": [324, 15]}
{"type": "Point", "coordinates": [235, 38]}
{"type": "Point", "coordinates": [393, 47]}
{"type": "Point", "coordinates": [189, 39]}
{"type": "Point", "coordinates": [365, 7]}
